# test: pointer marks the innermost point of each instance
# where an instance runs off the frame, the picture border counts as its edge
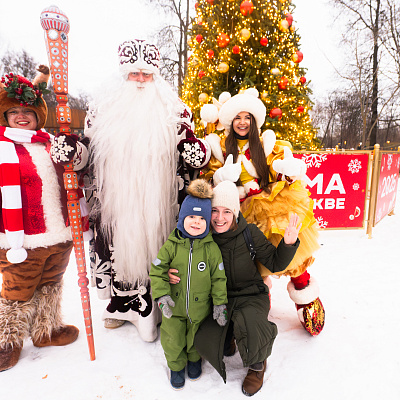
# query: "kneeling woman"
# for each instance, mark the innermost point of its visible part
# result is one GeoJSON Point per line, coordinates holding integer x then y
{"type": "Point", "coordinates": [248, 300]}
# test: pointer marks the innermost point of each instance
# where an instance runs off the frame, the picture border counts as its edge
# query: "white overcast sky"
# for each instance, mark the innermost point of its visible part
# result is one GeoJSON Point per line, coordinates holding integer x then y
{"type": "Point", "coordinates": [97, 27]}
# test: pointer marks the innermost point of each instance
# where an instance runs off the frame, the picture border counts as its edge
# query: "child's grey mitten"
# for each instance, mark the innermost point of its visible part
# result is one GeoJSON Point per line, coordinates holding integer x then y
{"type": "Point", "coordinates": [220, 314]}
{"type": "Point", "coordinates": [164, 303]}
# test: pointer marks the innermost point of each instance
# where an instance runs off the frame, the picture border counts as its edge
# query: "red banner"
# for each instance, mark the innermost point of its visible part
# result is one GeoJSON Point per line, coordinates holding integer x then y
{"type": "Point", "coordinates": [337, 183]}
{"type": "Point", "coordinates": [387, 188]}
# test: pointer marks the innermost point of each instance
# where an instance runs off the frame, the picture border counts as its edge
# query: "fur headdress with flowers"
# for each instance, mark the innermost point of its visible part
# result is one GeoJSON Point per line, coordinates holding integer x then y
{"type": "Point", "coordinates": [15, 90]}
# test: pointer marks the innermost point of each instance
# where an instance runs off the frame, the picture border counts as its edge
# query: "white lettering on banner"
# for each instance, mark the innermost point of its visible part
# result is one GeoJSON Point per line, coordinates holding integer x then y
{"type": "Point", "coordinates": [330, 204]}
{"type": "Point", "coordinates": [318, 179]}
{"type": "Point", "coordinates": [388, 184]}
{"type": "Point", "coordinates": [335, 183]}
{"type": "Point", "coordinates": [340, 204]}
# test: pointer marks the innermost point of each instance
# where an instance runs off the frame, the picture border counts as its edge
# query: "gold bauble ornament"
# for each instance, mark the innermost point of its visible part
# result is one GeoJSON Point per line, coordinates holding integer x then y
{"type": "Point", "coordinates": [223, 67]}
{"type": "Point", "coordinates": [275, 71]}
{"type": "Point", "coordinates": [245, 34]}
{"type": "Point", "coordinates": [284, 25]}
{"type": "Point", "coordinates": [203, 98]}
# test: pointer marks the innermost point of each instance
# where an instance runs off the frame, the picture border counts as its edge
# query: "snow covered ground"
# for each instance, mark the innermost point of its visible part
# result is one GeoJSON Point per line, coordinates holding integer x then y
{"type": "Point", "coordinates": [357, 356]}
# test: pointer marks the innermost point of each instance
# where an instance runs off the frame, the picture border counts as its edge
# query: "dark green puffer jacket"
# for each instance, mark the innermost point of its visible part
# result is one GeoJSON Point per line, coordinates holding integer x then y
{"type": "Point", "coordinates": [248, 300]}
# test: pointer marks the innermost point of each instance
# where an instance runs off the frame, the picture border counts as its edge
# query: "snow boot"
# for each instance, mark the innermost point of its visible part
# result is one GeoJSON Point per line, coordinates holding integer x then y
{"type": "Point", "coordinates": [9, 357]}
{"type": "Point", "coordinates": [178, 379]}
{"type": "Point", "coordinates": [15, 320]}
{"type": "Point", "coordinates": [304, 291]}
{"type": "Point", "coordinates": [194, 370]}
{"type": "Point", "coordinates": [60, 337]}
{"type": "Point", "coordinates": [254, 378]}
{"type": "Point", "coordinates": [112, 323]}
{"type": "Point", "coordinates": [47, 328]}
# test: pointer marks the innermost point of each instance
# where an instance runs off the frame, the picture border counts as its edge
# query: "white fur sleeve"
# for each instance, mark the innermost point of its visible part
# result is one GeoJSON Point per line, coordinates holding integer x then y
{"type": "Point", "coordinates": [269, 139]}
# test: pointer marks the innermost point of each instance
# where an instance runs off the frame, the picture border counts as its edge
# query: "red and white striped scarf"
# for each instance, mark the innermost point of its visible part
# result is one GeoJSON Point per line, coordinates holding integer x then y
{"type": "Point", "coordinates": [10, 184]}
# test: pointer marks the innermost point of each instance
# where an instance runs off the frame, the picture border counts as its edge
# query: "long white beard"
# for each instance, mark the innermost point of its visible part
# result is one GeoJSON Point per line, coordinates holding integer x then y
{"type": "Point", "coordinates": [135, 157]}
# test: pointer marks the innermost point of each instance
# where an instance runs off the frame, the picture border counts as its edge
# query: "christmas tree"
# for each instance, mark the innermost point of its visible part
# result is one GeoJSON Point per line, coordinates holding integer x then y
{"type": "Point", "coordinates": [240, 44]}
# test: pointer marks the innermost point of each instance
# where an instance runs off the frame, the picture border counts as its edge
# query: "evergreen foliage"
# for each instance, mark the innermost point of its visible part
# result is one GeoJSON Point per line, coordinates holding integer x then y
{"type": "Point", "coordinates": [240, 44]}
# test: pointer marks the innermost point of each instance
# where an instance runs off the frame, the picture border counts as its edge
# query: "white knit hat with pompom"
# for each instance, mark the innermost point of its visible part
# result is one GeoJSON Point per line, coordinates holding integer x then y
{"type": "Point", "coordinates": [226, 195]}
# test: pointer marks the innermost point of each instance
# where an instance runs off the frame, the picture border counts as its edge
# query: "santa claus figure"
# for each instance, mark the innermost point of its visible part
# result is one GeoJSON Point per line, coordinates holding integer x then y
{"type": "Point", "coordinates": [143, 155]}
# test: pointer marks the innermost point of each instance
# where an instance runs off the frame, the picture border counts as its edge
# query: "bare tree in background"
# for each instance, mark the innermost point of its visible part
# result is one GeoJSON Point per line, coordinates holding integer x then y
{"type": "Point", "coordinates": [339, 119]}
{"type": "Point", "coordinates": [19, 63]}
{"type": "Point", "coordinates": [22, 63]}
{"type": "Point", "coordinates": [172, 39]}
{"type": "Point", "coordinates": [373, 34]}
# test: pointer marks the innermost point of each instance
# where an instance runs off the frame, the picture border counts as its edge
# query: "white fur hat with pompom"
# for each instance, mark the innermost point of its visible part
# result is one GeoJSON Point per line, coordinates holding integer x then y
{"type": "Point", "coordinates": [209, 112]}
{"type": "Point", "coordinates": [247, 101]}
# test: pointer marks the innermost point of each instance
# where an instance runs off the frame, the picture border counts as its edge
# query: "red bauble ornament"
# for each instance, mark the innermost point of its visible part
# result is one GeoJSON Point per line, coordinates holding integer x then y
{"type": "Point", "coordinates": [196, 5]}
{"type": "Point", "coordinates": [302, 80]}
{"type": "Point", "coordinates": [246, 7]}
{"type": "Point", "coordinates": [235, 49]}
{"type": "Point", "coordinates": [297, 57]}
{"type": "Point", "coordinates": [275, 112]}
{"type": "Point", "coordinates": [263, 41]}
{"type": "Point", "coordinates": [300, 109]}
{"type": "Point", "coordinates": [289, 18]}
{"type": "Point", "coordinates": [210, 2]}
{"type": "Point", "coordinates": [199, 38]}
{"type": "Point", "coordinates": [201, 74]}
{"type": "Point", "coordinates": [210, 53]}
{"type": "Point", "coordinates": [223, 40]}
{"type": "Point", "coordinates": [283, 83]}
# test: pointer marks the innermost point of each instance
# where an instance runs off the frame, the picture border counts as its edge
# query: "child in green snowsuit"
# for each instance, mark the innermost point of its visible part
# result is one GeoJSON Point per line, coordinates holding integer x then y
{"type": "Point", "coordinates": [191, 250]}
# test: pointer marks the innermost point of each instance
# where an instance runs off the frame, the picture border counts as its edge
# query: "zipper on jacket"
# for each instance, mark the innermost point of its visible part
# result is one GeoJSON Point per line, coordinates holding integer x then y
{"type": "Point", "coordinates": [188, 280]}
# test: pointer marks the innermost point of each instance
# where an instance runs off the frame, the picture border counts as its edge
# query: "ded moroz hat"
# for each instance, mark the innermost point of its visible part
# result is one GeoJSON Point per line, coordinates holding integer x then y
{"type": "Point", "coordinates": [135, 55]}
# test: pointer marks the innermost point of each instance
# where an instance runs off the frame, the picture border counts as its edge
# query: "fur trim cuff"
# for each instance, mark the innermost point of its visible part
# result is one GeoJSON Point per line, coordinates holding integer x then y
{"type": "Point", "coordinates": [215, 143]}
{"type": "Point", "coordinates": [306, 295]}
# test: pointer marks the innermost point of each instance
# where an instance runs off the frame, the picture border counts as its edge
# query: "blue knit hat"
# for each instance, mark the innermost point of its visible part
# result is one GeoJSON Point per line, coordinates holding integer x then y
{"type": "Point", "coordinates": [198, 202]}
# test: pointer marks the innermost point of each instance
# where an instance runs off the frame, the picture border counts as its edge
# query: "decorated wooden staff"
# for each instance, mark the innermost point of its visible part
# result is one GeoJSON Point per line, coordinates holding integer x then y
{"type": "Point", "coordinates": [56, 25]}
